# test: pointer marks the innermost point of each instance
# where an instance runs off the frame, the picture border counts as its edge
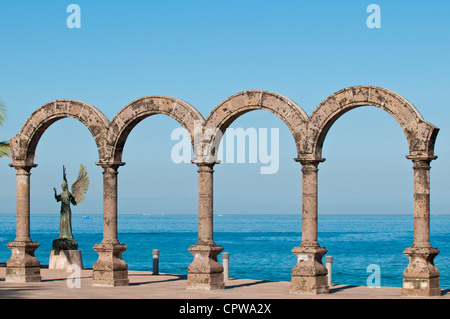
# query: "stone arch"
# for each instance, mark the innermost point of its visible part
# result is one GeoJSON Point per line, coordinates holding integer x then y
{"type": "Point", "coordinates": [233, 107]}
{"type": "Point", "coordinates": [23, 145]}
{"type": "Point", "coordinates": [133, 113]}
{"type": "Point", "coordinates": [420, 134]}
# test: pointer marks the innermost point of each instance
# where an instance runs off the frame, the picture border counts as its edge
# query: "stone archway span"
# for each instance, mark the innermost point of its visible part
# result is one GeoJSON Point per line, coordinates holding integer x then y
{"type": "Point", "coordinates": [236, 105]}
{"type": "Point", "coordinates": [23, 264]}
{"type": "Point", "coordinates": [421, 277]}
{"type": "Point", "coordinates": [23, 145]}
{"type": "Point", "coordinates": [130, 115]}
{"type": "Point", "coordinates": [420, 134]}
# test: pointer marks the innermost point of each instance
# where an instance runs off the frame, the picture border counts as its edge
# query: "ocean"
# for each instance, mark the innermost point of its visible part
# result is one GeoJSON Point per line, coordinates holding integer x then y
{"type": "Point", "coordinates": [259, 245]}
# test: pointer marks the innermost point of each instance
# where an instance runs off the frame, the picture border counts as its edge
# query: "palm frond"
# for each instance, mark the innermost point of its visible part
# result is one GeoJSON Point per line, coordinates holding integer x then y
{"type": "Point", "coordinates": [5, 150]}
{"type": "Point", "coordinates": [2, 112]}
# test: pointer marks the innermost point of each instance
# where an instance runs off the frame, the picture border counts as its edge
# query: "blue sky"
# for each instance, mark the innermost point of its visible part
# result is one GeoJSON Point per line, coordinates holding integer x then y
{"type": "Point", "coordinates": [205, 51]}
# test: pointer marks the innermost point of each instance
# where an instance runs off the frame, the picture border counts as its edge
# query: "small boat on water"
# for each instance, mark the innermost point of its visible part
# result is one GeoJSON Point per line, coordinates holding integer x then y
{"type": "Point", "coordinates": [87, 217]}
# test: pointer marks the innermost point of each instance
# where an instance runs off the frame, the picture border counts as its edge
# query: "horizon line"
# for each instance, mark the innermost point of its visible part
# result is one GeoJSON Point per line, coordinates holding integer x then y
{"type": "Point", "coordinates": [222, 214]}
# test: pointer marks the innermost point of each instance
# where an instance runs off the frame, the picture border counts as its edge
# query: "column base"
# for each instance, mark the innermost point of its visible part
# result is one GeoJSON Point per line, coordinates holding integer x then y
{"type": "Point", "coordinates": [309, 276]}
{"type": "Point", "coordinates": [421, 287]}
{"type": "Point", "coordinates": [309, 285]}
{"type": "Point", "coordinates": [205, 282]}
{"type": "Point", "coordinates": [110, 270]}
{"type": "Point", "coordinates": [205, 272]}
{"type": "Point", "coordinates": [421, 277]}
{"type": "Point", "coordinates": [23, 266]}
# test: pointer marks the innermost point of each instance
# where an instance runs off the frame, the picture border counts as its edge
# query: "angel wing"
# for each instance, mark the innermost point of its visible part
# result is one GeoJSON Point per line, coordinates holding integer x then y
{"type": "Point", "coordinates": [81, 185]}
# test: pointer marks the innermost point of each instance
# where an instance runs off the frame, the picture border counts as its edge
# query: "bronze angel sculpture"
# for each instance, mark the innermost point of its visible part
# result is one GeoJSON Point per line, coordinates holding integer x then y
{"type": "Point", "coordinates": [74, 196]}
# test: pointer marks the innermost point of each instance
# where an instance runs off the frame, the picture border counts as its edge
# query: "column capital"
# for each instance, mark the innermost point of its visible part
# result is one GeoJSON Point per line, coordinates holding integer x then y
{"type": "Point", "coordinates": [110, 165]}
{"type": "Point", "coordinates": [309, 161]}
{"type": "Point", "coordinates": [421, 158]}
{"type": "Point", "coordinates": [309, 164]}
{"type": "Point", "coordinates": [203, 162]}
{"type": "Point", "coordinates": [205, 166]}
{"type": "Point", "coordinates": [22, 168]}
{"type": "Point", "coordinates": [421, 162]}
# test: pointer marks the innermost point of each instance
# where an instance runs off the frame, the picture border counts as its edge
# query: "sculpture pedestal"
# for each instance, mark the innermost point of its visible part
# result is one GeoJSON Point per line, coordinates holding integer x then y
{"type": "Point", "coordinates": [61, 259]}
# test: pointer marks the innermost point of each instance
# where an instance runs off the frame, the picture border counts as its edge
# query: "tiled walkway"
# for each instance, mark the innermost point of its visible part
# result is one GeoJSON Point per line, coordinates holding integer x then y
{"type": "Point", "coordinates": [55, 284]}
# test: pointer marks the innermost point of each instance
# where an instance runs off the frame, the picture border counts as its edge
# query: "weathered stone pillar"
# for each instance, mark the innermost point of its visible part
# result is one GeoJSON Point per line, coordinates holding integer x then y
{"type": "Point", "coordinates": [205, 272]}
{"type": "Point", "coordinates": [23, 266]}
{"type": "Point", "coordinates": [110, 270]}
{"type": "Point", "coordinates": [309, 276]}
{"type": "Point", "coordinates": [421, 277]}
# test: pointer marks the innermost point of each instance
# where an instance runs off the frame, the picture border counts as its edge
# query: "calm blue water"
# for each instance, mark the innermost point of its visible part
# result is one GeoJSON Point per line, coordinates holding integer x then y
{"type": "Point", "coordinates": [259, 245]}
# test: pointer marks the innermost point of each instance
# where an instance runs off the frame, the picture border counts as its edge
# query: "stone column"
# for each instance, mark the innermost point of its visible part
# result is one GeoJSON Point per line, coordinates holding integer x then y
{"type": "Point", "coordinates": [309, 276]}
{"type": "Point", "coordinates": [23, 266]}
{"type": "Point", "coordinates": [205, 272]}
{"type": "Point", "coordinates": [421, 277]}
{"type": "Point", "coordinates": [110, 270]}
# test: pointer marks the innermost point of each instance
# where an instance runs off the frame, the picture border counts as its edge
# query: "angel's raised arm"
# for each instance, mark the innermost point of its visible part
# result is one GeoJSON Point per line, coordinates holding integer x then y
{"type": "Point", "coordinates": [57, 197]}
